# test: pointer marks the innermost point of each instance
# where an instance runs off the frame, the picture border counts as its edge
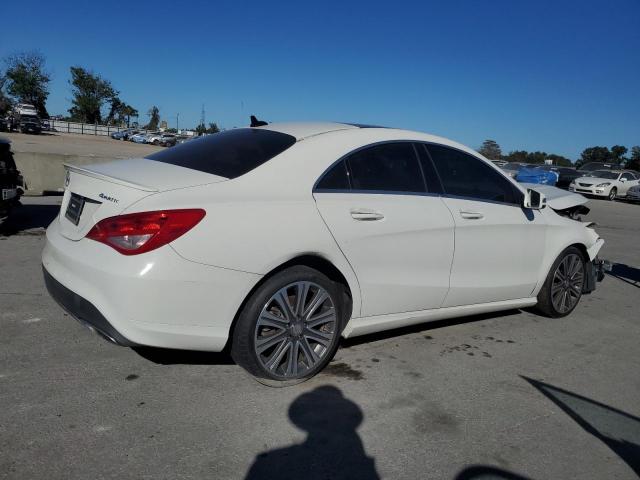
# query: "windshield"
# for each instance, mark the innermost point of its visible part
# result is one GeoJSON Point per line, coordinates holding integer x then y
{"type": "Point", "coordinates": [604, 174]}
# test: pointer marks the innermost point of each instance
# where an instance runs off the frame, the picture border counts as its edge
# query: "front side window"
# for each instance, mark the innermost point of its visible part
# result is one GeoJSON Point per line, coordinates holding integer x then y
{"type": "Point", "coordinates": [628, 176]}
{"type": "Point", "coordinates": [388, 167]}
{"type": "Point", "coordinates": [227, 154]}
{"type": "Point", "coordinates": [466, 176]}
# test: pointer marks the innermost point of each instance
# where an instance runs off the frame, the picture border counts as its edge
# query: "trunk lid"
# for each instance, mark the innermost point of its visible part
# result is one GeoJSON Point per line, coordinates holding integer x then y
{"type": "Point", "coordinates": [95, 192]}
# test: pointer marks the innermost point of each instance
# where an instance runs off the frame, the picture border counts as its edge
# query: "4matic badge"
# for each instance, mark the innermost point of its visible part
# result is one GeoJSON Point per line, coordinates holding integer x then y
{"type": "Point", "coordinates": [108, 198]}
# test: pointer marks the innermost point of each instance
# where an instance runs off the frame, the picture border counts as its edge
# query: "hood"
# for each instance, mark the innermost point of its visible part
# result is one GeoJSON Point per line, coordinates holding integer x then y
{"type": "Point", "coordinates": [593, 180]}
{"type": "Point", "coordinates": [557, 198]}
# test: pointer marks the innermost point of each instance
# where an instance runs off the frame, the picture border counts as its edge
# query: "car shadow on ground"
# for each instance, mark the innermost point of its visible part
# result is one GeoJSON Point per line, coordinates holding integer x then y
{"type": "Point", "coordinates": [28, 220]}
{"type": "Point", "coordinates": [167, 356]}
{"type": "Point", "coordinates": [486, 472]}
{"type": "Point", "coordinates": [618, 430]}
{"type": "Point", "coordinates": [627, 274]}
{"type": "Point", "coordinates": [423, 327]}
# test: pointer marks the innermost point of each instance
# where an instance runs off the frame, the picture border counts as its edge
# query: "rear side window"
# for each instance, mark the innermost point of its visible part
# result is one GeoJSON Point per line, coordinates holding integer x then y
{"type": "Point", "coordinates": [390, 167]}
{"type": "Point", "coordinates": [227, 154]}
{"type": "Point", "coordinates": [337, 178]}
{"type": "Point", "coordinates": [467, 176]}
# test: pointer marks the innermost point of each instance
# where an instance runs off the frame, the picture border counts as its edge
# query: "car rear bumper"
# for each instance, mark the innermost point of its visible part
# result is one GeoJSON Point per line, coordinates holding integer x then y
{"type": "Point", "coordinates": [83, 311]}
{"type": "Point", "coordinates": [157, 299]}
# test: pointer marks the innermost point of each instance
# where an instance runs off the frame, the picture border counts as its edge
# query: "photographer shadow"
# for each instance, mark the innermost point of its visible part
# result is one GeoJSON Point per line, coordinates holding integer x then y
{"type": "Point", "coordinates": [333, 449]}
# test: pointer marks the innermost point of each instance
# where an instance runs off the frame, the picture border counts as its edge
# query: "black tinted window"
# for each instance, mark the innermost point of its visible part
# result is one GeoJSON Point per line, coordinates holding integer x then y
{"type": "Point", "coordinates": [391, 167]}
{"type": "Point", "coordinates": [336, 178]}
{"type": "Point", "coordinates": [467, 176]}
{"type": "Point", "coordinates": [227, 154]}
{"type": "Point", "coordinates": [628, 176]}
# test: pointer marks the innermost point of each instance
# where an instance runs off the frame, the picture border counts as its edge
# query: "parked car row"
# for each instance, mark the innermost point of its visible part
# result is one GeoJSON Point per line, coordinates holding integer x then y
{"type": "Point", "coordinates": [23, 118]}
{"type": "Point", "coordinates": [164, 139]}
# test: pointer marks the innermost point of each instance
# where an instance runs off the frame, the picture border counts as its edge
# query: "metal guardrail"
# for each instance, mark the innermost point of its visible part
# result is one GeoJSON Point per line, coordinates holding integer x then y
{"type": "Point", "coordinates": [86, 128]}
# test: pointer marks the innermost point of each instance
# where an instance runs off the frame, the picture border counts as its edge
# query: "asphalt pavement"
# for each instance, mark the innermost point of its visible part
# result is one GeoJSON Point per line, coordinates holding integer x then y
{"type": "Point", "coordinates": [510, 395]}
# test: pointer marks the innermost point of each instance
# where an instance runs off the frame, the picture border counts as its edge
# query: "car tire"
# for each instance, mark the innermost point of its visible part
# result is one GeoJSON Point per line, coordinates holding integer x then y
{"type": "Point", "coordinates": [156, 142]}
{"type": "Point", "coordinates": [613, 193]}
{"type": "Point", "coordinates": [562, 289]}
{"type": "Point", "coordinates": [281, 347]}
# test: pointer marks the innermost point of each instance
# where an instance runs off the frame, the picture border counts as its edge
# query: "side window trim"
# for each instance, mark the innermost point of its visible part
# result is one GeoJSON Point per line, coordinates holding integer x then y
{"type": "Point", "coordinates": [345, 159]}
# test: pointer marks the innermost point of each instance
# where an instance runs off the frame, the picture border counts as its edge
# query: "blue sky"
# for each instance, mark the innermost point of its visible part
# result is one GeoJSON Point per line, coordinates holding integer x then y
{"type": "Point", "coordinates": [557, 76]}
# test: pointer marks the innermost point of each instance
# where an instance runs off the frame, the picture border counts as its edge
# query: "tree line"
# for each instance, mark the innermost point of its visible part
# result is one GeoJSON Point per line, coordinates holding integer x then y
{"type": "Point", "coordinates": [25, 79]}
{"type": "Point", "coordinates": [616, 155]}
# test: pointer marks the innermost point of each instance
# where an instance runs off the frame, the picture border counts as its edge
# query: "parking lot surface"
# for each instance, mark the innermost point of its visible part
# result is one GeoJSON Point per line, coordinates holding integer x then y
{"type": "Point", "coordinates": [510, 395]}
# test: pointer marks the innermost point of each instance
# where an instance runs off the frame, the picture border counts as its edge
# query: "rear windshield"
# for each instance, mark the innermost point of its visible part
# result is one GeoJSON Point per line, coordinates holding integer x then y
{"type": "Point", "coordinates": [227, 154]}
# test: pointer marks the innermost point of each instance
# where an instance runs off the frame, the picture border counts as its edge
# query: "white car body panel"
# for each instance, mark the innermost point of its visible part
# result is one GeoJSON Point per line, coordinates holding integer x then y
{"type": "Point", "coordinates": [496, 255]}
{"type": "Point", "coordinates": [421, 262]}
{"type": "Point", "coordinates": [403, 260]}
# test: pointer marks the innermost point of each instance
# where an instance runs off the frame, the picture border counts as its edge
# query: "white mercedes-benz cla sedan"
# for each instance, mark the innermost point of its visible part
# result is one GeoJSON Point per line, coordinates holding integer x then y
{"type": "Point", "coordinates": [278, 240]}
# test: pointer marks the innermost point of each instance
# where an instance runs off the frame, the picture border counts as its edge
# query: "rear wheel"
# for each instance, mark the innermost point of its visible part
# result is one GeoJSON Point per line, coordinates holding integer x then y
{"type": "Point", "coordinates": [290, 327]}
{"type": "Point", "coordinates": [613, 193]}
{"type": "Point", "coordinates": [562, 289]}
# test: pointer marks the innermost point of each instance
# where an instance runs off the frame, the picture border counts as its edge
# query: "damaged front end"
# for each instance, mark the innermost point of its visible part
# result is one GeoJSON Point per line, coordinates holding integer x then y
{"type": "Point", "coordinates": [573, 205]}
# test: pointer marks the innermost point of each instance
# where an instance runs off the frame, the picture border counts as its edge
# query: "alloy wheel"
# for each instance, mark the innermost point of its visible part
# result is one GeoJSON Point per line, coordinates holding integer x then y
{"type": "Point", "coordinates": [612, 194]}
{"type": "Point", "coordinates": [568, 280]}
{"type": "Point", "coordinates": [295, 330]}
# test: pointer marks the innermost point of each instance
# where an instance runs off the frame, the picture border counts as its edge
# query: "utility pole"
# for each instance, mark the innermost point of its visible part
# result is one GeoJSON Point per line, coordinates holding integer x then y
{"type": "Point", "coordinates": [177, 119]}
{"type": "Point", "coordinates": [202, 116]}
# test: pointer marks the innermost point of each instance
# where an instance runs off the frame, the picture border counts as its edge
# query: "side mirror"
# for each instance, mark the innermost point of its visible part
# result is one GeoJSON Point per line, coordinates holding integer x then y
{"type": "Point", "coordinates": [623, 179]}
{"type": "Point", "coordinates": [534, 200]}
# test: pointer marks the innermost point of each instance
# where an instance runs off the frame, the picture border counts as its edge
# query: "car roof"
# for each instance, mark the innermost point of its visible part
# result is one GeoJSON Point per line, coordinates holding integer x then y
{"type": "Point", "coordinates": [301, 130]}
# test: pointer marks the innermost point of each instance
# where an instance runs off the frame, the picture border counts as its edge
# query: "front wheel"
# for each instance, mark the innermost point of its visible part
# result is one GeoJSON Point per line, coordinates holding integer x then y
{"type": "Point", "coordinates": [290, 327]}
{"type": "Point", "coordinates": [613, 193]}
{"type": "Point", "coordinates": [563, 287]}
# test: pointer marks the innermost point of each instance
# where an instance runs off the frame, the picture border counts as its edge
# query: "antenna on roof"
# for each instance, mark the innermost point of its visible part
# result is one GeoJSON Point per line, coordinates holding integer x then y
{"type": "Point", "coordinates": [257, 123]}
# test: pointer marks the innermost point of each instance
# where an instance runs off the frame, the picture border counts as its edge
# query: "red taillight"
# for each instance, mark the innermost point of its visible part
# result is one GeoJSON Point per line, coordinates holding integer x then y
{"type": "Point", "coordinates": [136, 233]}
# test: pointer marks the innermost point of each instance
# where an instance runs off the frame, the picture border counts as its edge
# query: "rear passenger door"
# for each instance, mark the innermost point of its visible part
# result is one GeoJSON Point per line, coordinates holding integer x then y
{"type": "Point", "coordinates": [395, 232]}
{"type": "Point", "coordinates": [498, 244]}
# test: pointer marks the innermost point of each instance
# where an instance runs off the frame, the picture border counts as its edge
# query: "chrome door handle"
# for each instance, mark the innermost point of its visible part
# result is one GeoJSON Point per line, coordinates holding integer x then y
{"type": "Point", "coordinates": [366, 215]}
{"type": "Point", "coordinates": [471, 215]}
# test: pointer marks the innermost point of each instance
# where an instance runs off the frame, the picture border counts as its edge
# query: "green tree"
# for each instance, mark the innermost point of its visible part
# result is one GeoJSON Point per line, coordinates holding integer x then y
{"type": "Point", "coordinates": [519, 156]}
{"type": "Point", "coordinates": [213, 128]}
{"type": "Point", "coordinates": [90, 91]}
{"type": "Point", "coordinates": [594, 154]}
{"type": "Point", "coordinates": [27, 80]}
{"type": "Point", "coordinates": [154, 118]}
{"type": "Point", "coordinates": [618, 153]}
{"type": "Point", "coordinates": [201, 129]}
{"type": "Point", "coordinates": [120, 112]}
{"type": "Point", "coordinates": [634, 161]}
{"type": "Point", "coordinates": [5, 102]}
{"type": "Point", "coordinates": [128, 111]}
{"type": "Point", "coordinates": [491, 150]}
